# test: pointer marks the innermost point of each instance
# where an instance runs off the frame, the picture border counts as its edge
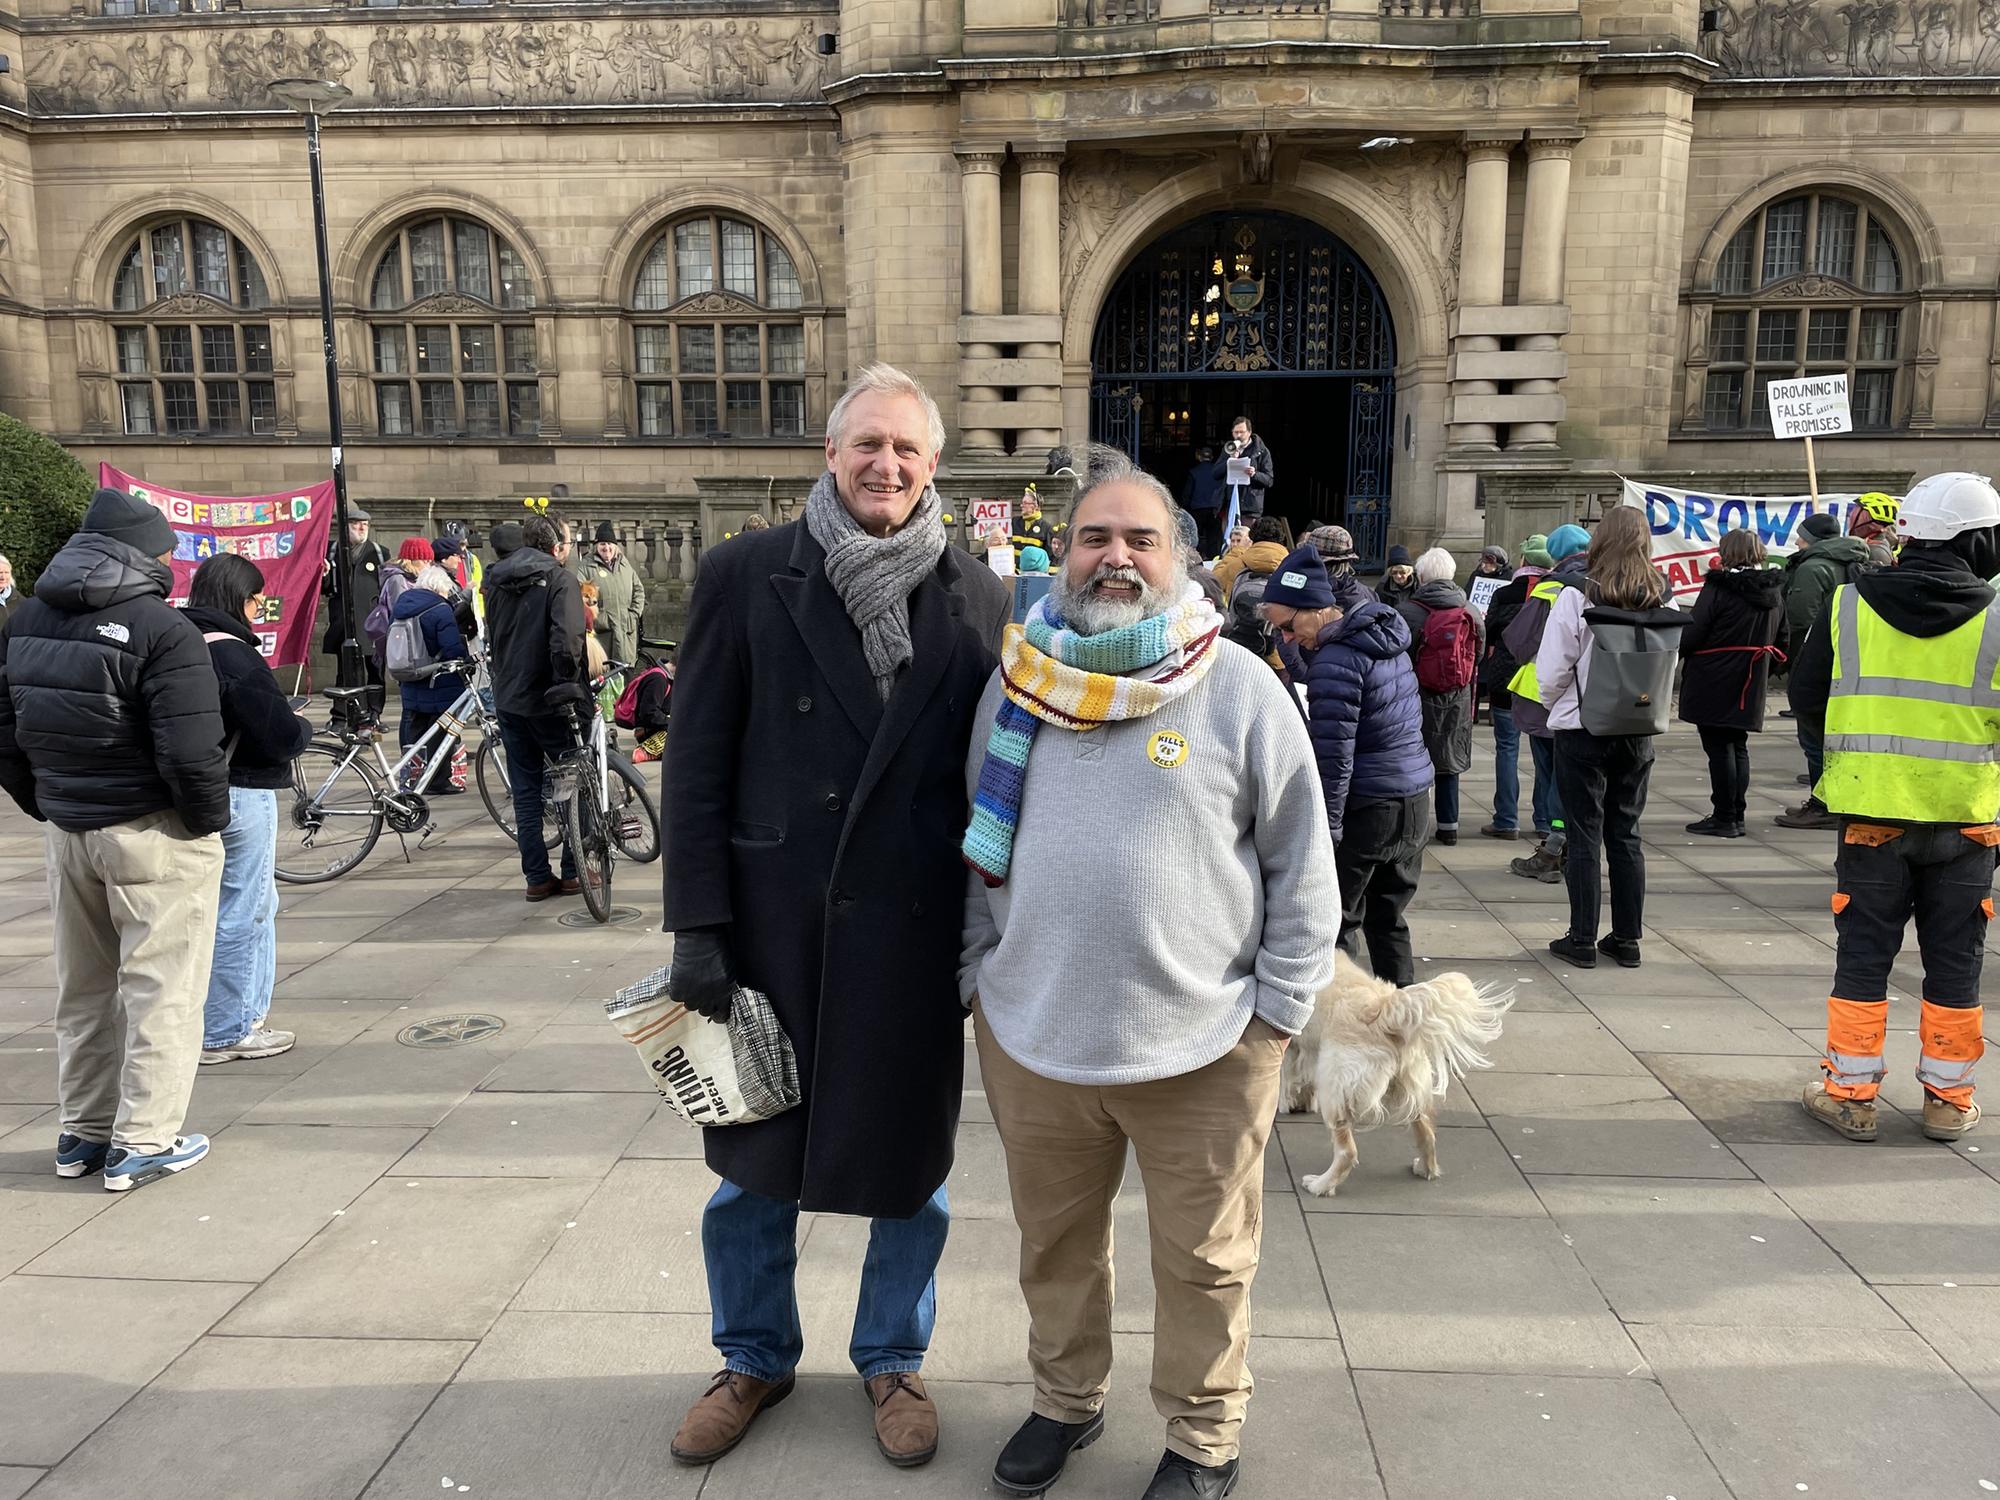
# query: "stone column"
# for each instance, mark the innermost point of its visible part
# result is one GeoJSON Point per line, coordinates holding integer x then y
{"type": "Point", "coordinates": [979, 182]}
{"type": "Point", "coordinates": [1544, 238]}
{"type": "Point", "coordinates": [1041, 278]}
{"type": "Point", "coordinates": [1482, 274]}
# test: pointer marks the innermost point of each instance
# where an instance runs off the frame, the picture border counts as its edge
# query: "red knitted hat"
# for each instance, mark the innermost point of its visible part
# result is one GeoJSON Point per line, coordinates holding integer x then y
{"type": "Point", "coordinates": [416, 549]}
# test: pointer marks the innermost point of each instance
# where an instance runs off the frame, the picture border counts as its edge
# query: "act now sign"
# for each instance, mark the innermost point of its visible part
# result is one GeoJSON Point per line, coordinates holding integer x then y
{"type": "Point", "coordinates": [1687, 526]}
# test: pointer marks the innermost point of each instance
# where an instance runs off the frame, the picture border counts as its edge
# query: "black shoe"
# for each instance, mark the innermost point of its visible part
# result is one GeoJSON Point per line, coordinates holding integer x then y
{"type": "Point", "coordinates": [1715, 828]}
{"type": "Point", "coordinates": [1811, 813]}
{"type": "Point", "coordinates": [1177, 1478]}
{"type": "Point", "coordinates": [1447, 835]}
{"type": "Point", "coordinates": [1034, 1457]}
{"type": "Point", "coordinates": [1804, 778]}
{"type": "Point", "coordinates": [1574, 951]}
{"type": "Point", "coordinates": [1625, 950]}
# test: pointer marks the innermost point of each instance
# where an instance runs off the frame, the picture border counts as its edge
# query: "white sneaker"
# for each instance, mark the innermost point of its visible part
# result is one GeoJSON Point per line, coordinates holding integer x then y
{"type": "Point", "coordinates": [262, 1042]}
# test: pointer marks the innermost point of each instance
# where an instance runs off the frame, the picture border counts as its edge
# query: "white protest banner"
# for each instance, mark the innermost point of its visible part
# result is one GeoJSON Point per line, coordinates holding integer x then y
{"type": "Point", "coordinates": [1687, 526]}
{"type": "Point", "coordinates": [1480, 595]}
{"type": "Point", "coordinates": [1815, 406]}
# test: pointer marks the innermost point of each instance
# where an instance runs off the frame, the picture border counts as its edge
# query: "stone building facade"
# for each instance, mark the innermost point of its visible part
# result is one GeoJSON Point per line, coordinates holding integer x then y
{"type": "Point", "coordinates": [1464, 262]}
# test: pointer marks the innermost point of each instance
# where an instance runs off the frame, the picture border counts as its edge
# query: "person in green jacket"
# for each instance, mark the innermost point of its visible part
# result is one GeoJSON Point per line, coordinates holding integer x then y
{"type": "Point", "coordinates": [1812, 573]}
{"type": "Point", "coordinates": [621, 596]}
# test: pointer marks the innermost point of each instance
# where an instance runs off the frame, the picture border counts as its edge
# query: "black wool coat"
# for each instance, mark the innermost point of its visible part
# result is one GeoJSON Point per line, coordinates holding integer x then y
{"type": "Point", "coordinates": [822, 829]}
{"type": "Point", "coordinates": [1738, 611]}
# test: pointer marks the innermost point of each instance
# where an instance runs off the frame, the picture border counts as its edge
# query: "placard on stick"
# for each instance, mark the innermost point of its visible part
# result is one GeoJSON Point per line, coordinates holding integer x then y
{"type": "Point", "coordinates": [1812, 406]}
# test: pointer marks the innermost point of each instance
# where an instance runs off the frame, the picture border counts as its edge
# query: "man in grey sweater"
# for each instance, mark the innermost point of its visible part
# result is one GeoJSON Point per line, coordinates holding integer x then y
{"type": "Point", "coordinates": [1152, 911]}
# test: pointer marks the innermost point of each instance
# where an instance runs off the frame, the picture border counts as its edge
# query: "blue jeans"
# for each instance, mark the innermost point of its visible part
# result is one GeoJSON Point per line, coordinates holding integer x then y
{"type": "Point", "coordinates": [751, 1244]}
{"type": "Point", "coordinates": [1506, 769]}
{"type": "Point", "coordinates": [1812, 740]}
{"type": "Point", "coordinates": [1447, 802]}
{"type": "Point", "coordinates": [1547, 805]}
{"type": "Point", "coordinates": [530, 744]}
{"type": "Point", "coordinates": [246, 921]}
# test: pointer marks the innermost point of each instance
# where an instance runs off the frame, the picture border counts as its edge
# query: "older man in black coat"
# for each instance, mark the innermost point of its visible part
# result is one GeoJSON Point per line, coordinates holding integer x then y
{"type": "Point", "coordinates": [814, 807]}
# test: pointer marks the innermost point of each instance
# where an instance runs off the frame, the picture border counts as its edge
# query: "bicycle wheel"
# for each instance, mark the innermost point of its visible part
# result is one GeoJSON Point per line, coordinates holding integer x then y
{"type": "Point", "coordinates": [334, 816]}
{"type": "Point", "coordinates": [588, 835]}
{"type": "Point", "coordinates": [489, 769]}
{"type": "Point", "coordinates": [635, 818]}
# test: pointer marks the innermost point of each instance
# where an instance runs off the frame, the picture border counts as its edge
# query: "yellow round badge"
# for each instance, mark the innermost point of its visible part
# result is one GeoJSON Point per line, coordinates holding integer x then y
{"type": "Point", "coordinates": [1167, 749]}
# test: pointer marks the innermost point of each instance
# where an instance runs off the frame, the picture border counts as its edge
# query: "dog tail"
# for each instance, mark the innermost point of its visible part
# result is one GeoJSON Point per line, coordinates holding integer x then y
{"type": "Point", "coordinates": [1447, 1022]}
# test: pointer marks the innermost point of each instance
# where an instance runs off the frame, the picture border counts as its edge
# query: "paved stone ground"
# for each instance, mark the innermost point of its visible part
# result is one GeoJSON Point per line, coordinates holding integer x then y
{"type": "Point", "coordinates": [405, 1273]}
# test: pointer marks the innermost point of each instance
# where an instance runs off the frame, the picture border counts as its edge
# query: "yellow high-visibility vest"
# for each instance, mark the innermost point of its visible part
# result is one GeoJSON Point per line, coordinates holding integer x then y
{"type": "Point", "coordinates": [1913, 722]}
{"type": "Point", "coordinates": [1524, 683]}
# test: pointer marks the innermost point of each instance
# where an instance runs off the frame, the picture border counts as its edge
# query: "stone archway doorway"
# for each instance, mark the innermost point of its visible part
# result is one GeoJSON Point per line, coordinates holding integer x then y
{"type": "Point", "coordinates": [1266, 315]}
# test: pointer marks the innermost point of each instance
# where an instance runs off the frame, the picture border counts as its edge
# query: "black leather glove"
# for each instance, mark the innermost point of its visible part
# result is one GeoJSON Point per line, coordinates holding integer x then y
{"type": "Point", "coordinates": [701, 978]}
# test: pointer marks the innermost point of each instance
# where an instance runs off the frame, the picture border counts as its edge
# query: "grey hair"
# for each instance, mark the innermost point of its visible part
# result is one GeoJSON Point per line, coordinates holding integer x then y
{"type": "Point", "coordinates": [432, 576]}
{"type": "Point", "coordinates": [1435, 566]}
{"type": "Point", "coordinates": [885, 380]}
{"type": "Point", "coordinates": [1097, 465]}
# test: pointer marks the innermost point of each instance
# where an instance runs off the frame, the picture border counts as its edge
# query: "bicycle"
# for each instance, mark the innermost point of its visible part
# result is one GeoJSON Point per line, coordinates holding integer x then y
{"type": "Point", "coordinates": [578, 791]}
{"type": "Point", "coordinates": [633, 816]}
{"type": "Point", "coordinates": [341, 798]}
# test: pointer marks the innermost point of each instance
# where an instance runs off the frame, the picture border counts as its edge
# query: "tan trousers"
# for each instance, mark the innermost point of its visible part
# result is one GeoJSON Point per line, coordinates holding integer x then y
{"type": "Point", "coordinates": [1200, 1141]}
{"type": "Point", "coordinates": [134, 909]}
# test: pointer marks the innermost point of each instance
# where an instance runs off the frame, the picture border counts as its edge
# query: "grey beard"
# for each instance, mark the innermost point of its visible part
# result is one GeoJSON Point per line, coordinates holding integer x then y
{"type": "Point", "coordinates": [1089, 614]}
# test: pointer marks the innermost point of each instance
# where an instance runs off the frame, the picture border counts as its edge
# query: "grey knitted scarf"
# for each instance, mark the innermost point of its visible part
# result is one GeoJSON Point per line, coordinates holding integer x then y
{"type": "Point", "coordinates": [875, 576]}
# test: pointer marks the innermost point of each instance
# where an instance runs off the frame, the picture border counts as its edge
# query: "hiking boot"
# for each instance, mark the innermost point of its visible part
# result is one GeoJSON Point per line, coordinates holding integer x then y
{"type": "Point", "coordinates": [906, 1423]}
{"type": "Point", "coordinates": [1853, 1118]}
{"type": "Point", "coordinates": [1575, 950]}
{"type": "Point", "coordinates": [718, 1421]}
{"type": "Point", "coordinates": [262, 1042]}
{"type": "Point", "coordinates": [124, 1170]}
{"type": "Point", "coordinates": [1541, 865]}
{"type": "Point", "coordinates": [1178, 1478]}
{"type": "Point", "coordinates": [1495, 831]}
{"type": "Point", "coordinates": [76, 1157]}
{"type": "Point", "coordinates": [1716, 828]}
{"type": "Point", "coordinates": [1945, 1121]}
{"type": "Point", "coordinates": [1810, 813]}
{"type": "Point", "coordinates": [541, 890]}
{"type": "Point", "coordinates": [1037, 1453]}
{"type": "Point", "coordinates": [1625, 950]}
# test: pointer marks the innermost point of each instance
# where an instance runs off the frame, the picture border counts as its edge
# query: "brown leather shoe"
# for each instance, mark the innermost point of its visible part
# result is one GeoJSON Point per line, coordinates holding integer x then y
{"type": "Point", "coordinates": [718, 1421]}
{"type": "Point", "coordinates": [542, 890]}
{"type": "Point", "coordinates": [570, 887]}
{"type": "Point", "coordinates": [906, 1423]}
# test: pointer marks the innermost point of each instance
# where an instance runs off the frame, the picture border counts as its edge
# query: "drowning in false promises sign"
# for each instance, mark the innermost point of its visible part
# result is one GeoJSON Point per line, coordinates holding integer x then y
{"type": "Point", "coordinates": [1687, 526]}
{"type": "Point", "coordinates": [1814, 406]}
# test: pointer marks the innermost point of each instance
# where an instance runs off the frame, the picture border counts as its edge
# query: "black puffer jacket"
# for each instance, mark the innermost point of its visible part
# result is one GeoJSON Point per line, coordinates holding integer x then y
{"type": "Point", "coordinates": [534, 624]}
{"type": "Point", "coordinates": [255, 713]}
{"type": "Point", "coordinates": [1728, 647]}
{"type": "Point", "coordinates": [111, 709]}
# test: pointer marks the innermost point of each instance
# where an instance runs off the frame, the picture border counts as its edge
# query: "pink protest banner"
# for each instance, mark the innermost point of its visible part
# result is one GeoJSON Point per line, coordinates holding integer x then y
{"type": "Point", "coordinates": [283, 534]}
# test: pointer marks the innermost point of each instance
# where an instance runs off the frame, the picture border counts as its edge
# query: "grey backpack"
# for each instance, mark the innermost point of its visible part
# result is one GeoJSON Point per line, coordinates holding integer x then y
{"type": "Point", "coordinates": [1631, 684]}
{"type": "Point", "coordinates": [405, 656]}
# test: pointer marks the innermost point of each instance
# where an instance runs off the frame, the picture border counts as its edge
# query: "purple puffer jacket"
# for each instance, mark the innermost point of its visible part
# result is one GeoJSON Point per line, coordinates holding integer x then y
{"type": "Point", "coordinates": [1364, 713]}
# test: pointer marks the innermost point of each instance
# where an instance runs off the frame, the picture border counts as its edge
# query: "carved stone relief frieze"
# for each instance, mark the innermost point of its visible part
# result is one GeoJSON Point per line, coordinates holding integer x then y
{"type": "Point", "coordinates": [1097, 186]}
{"type": "Point", "coordinates": [1425, 185]}
{"type": "Point", "coordinates": [717, 60]}
{"type": "Point", "coordinates": [1853, 38]}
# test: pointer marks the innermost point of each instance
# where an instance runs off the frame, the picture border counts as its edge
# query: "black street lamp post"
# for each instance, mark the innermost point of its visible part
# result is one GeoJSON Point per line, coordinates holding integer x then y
{"type": "Point", "coordinates": [313, 97]}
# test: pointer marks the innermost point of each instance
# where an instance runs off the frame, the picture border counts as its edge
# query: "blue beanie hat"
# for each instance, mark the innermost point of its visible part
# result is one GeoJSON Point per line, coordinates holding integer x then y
{"type": "Point", "coordinates": [1567, 540]}
{"type": "Point", "coordinates": [1300, 582]}
{"type": "Point", "coordinates": [1034, 560]}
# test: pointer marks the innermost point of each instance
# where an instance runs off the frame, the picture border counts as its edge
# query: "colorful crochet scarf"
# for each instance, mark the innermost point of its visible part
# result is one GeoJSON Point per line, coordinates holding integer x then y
{"type": "Point", "coordinates": [1053, 675]}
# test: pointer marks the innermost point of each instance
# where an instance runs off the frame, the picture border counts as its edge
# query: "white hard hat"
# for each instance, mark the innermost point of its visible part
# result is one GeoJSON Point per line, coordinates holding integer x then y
{"type": "Point", "coordinates": [1940, 507]}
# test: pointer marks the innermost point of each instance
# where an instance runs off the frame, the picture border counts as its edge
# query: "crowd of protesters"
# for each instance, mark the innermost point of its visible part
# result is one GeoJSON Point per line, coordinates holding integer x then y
{"type": "Point", "coordinates": [1234, 771]}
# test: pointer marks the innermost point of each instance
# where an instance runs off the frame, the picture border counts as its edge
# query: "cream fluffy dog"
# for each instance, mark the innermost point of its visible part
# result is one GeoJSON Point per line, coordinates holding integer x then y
{"type": "Point", "coordinates": [1374, 1054]}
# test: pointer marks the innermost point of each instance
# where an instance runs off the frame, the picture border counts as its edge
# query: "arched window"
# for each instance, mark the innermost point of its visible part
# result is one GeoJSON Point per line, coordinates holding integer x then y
{"type": "Point", "coordinates": [191, 355]}
{"type": "Point", "coordinates": [456, 359]}
{"type": "Point", "coordinates": [718, 340]}
{"type": "Point", "coordinates": [1810, 285]}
